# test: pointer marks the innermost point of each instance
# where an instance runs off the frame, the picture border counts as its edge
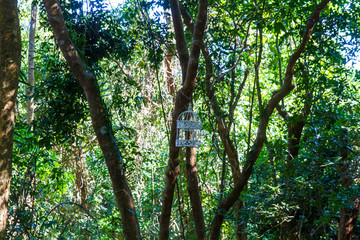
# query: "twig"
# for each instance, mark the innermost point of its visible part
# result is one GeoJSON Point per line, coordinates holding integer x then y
{"type": "Point", "coordinates": [121, 67]}
{"type": "Point", "coordinates": [237, 98]}
{"type": "Point", "coordinates": [244, 47]}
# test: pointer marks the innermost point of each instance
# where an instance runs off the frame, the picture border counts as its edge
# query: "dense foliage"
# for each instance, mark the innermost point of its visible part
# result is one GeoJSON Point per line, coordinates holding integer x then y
{"type": "Point", "coordinates": [60, 185]}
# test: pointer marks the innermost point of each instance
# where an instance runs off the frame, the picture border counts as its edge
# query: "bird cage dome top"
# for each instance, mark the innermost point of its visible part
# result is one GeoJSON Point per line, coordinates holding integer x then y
{"type": "Point", "coordinates": [188, 129]}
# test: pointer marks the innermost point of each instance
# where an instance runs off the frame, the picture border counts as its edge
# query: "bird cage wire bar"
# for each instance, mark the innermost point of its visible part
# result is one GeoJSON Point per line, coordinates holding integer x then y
{"type": "Point", "coordinates": [188, 130]}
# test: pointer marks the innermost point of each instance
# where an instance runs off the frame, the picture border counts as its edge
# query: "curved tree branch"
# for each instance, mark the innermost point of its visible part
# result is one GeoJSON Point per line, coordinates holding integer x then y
{"type": "Point", "coordinates": [253, 154]}
{"type": "Point", "coordinates": [101, 124]}
{"type": "Point", "coordinates": [181, 44]}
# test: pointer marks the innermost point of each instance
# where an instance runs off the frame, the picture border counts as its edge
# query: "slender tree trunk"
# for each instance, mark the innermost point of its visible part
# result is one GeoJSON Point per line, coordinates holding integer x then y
{"type": "Point", "coordinates": [189, 66]}
{"type": "Point", "coordinates": [26, 200]}
{"type": "Point", "coordinates": [253, 154]}
{"type": "Point", "coordinates": [31, 66]}
{"type": "Point", "coordinates": [101, 124]}
{"type": "Point", "coordinates": [10, 60]}
{"type": "Point", "coordinates": [169, 76]}
{"type": "Point", "coordinates": [194, 193]}
{"type": "Point", "coordinates": [168, 61]}
{"type": "Point", "coordinates": [81, 181]}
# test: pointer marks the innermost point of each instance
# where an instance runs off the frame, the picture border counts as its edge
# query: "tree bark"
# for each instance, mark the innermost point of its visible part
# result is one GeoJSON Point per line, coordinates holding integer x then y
{"type": "Point", "coordinates": [100, 123]}
{"type": "Point", "coordinates": [10, 60]}
{"type": "Point", "coordinates": [31, 66]}
{"type": "Point", "coordinates": [181, 44]}
{"type": "Point", "coordinates": [194, 193]}
{"type": "Point", "coordinates": [81, 180]}
{"type": "Point", "coordinates": [168, 61]}
{"type": "Point", "coordinates": [189, 66]}
{"type": "Point", "coordinates": [253, 154]}
{"type": "Point", "coordinates": [169, 76]}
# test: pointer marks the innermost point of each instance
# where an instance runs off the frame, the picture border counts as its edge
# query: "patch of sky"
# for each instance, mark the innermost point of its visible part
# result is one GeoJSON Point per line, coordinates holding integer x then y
{"type": "Point", "coordinates": [156, 12]}
{"type": "Point", "coordinates": [114, 3]}
{"type": "Point", "coordinates": [351, 51]}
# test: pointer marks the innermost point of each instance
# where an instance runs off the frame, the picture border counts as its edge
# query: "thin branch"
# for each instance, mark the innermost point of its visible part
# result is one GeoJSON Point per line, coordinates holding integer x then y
{"type": "Point", "coordinates": [279, 59]}
{"type": "Point", "coordinates": [223, 173]}
{"type": "Point", "coordinates": [257, 69]}
{"type": "Point", "coordinates": [251, 116]}
{"type": "Point", "coordinates": [282, 112]}
{"type": "Point", "coordinates": [180, 211]}
{"type": "Point", "coordinates": [121, 67]}
{"type": "Point", "coordinates": [244, 47]}
{"type": "Point", "coordinates": [237, 98]}
{"type": "Point", "coordinates": [181, 44]}
{"type": "Point", "coordinates": [163, 107]}
{"type": "Point", "coordinates": [187, 19]}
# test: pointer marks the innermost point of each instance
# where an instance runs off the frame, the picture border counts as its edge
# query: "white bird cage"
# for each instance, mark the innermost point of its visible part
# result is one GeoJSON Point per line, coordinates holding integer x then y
{"type": "Point", "coordinates": [188, 130]}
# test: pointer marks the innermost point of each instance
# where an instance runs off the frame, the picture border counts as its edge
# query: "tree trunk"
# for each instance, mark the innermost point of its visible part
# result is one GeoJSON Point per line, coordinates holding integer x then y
{"type": "Point", "coordinates": [10, 60]}
{"type": "Point", "coordinates": [253, 154]}
{"type": "Point", "coordinates": [81, 181]}
{"type": "Point", "coordinates": [101, 124]}
{"type": "Point", "coordinates": [189, 66]}
{"type": "Point", "coordinates": [168, 61]}
{"type": "Point", "coordinates": [169, 76]}
{"type": "Point", "coordinates": [194, 192]}
{"type": "Point", "coordinates": [31, 66]}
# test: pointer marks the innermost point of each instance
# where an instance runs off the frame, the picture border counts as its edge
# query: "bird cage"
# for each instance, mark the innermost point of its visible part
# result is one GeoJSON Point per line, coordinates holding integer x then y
{"type": "Point", "coordinates": [188, 129]}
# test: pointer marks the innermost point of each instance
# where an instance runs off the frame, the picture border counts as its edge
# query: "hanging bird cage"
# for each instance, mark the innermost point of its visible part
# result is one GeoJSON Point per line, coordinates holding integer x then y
{"type": "Point", "coordinates": [188, 129]}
